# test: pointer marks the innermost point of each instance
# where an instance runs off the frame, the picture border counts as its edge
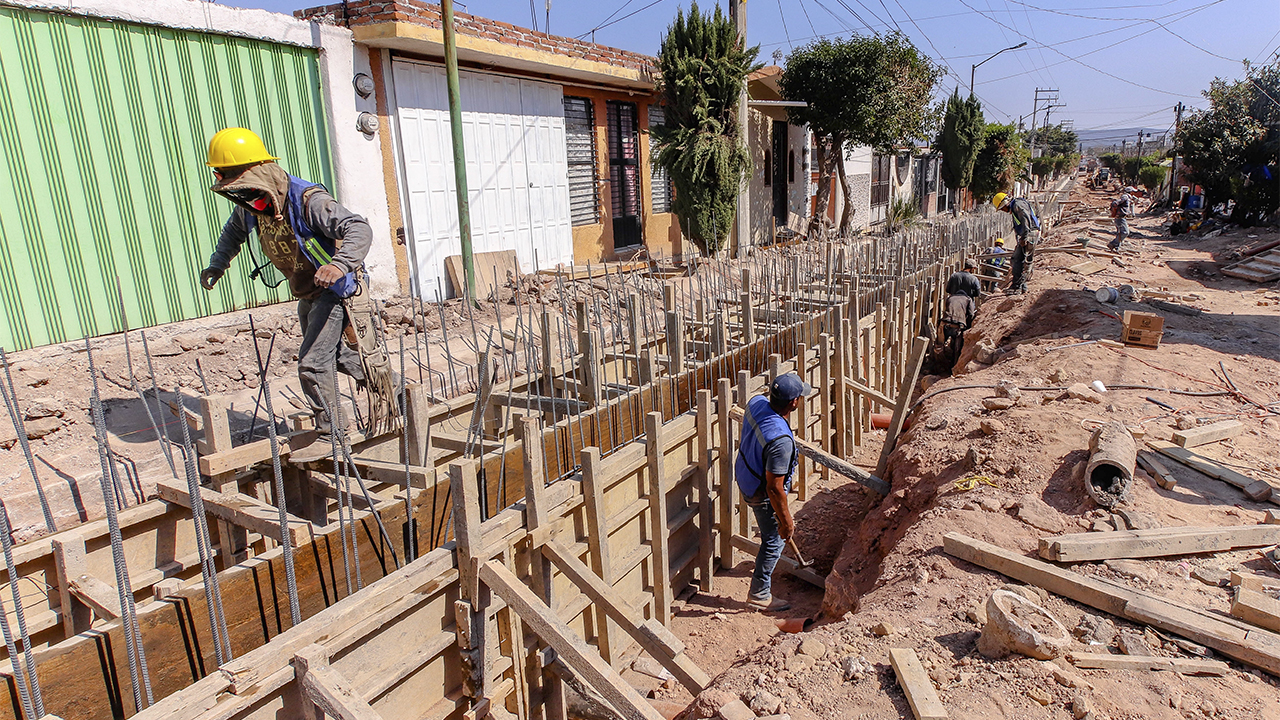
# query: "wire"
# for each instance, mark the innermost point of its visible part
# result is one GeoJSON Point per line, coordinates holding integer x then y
{"type": "Point", "coordinates": [785, 33]}
{"type": "Point", "coordinates": [605, 23]}
{"type": "Point", "coordinates": [806, 17]}
{"type": "Point", "coordinates": [1087, 65]}
{"type": "Point", "coordinates": [533, 14]}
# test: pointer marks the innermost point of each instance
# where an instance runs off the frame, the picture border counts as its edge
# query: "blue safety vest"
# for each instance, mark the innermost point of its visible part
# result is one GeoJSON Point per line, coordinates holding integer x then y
{"type": "Point", "coordinates": [761, 425]}
{"type": "Point", "coordinates": [303, 234]}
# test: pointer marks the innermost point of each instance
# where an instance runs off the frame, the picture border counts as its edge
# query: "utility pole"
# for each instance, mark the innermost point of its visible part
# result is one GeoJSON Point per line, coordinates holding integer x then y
{"type": "Point", "coordinates": [459, 149]}
{"type": "Point", "coordinates": [742, 222]}
{"type": "Point", "coordinates": [1177, 125]}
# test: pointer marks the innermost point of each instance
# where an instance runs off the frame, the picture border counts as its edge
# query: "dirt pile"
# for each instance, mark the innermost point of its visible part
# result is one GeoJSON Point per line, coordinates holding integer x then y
{"type": "Point", "coordinates": [1011, 476]}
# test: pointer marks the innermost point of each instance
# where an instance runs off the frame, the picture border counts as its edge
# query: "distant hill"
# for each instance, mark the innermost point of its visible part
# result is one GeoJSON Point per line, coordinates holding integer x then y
{"type": "Point", "coordinates": [1115, 136]}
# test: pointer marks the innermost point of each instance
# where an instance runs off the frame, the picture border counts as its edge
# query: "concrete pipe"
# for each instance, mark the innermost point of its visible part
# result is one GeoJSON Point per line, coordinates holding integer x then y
{"type": "Point", "coordinates": [1109, 474]}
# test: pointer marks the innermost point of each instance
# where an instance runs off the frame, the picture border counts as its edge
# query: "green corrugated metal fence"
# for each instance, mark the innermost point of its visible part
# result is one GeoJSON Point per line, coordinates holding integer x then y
{"type": "Point", "coordinates": [103, 132]}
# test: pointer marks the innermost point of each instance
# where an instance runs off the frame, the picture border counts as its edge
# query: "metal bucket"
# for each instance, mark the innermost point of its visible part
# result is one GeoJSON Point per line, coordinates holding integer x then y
{"type": "Point", "coordinates": [1107, 295]}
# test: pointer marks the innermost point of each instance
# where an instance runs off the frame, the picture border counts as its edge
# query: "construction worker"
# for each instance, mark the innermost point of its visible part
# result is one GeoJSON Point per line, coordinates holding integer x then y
{"type": "Point", "coordinates": [997, 264]}
{"type": "Point", "coordinates": [317, 245]}
{"type": "Point", "coordinates": [767, 460]}
{"type": "Point", "coordinates": [963, 290]}
{"type": "Point", "coordinates": [1121, 209]}
{"type": "Point", "coordinates": [1027, 227]}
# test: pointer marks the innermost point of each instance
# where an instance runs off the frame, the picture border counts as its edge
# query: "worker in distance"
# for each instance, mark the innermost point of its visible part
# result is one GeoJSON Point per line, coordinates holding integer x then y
{"type": "Point", "coordinates": [766, 462]}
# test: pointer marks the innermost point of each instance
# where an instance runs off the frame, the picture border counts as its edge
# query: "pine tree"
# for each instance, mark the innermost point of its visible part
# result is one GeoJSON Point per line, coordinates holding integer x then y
{"type": "Point", "coordinates": [704, 67]}
{"type": "Point", "coordinates": [961, 139]}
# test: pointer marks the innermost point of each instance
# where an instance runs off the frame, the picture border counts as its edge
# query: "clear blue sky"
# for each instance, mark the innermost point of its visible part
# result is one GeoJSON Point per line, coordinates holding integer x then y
{"type": "Point", "coordinates": [1116, 63]}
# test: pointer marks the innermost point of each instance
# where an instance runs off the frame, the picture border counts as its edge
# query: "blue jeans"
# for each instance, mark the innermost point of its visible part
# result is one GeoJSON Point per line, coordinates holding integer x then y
{"type": "Point", "coordinates": [770, 550]}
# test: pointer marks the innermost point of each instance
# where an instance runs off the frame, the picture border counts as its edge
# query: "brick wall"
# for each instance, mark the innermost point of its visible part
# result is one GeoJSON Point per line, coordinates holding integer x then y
{"type": "Point", "coordinates": [365, 12]}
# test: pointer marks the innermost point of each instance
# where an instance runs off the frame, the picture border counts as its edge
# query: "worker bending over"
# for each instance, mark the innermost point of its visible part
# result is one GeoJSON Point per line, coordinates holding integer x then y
{"type": "Point", "coordinates": [963, 290]}
{"type": "Point", "coordinates": [1027, 228]}
{"type": "Point", "coordinates": [315, 243]}
{"type": "Point", "coordinates": [767, 459]}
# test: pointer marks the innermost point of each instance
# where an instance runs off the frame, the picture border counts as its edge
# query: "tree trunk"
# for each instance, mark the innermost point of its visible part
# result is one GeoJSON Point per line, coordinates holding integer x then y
{"type": "Point", "coordinates": [846, 215]}
{"type": "Point", "coordinates": [824, 187]}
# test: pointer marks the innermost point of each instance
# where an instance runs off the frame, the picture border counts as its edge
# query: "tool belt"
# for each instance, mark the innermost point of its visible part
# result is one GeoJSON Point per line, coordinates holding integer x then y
{"type": "Point", "coordinates": [363, 336]}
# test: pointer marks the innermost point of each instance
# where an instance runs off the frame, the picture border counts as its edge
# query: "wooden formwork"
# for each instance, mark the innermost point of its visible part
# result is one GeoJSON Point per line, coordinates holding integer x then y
{"type": "Point", "coordinates": [637, 489]}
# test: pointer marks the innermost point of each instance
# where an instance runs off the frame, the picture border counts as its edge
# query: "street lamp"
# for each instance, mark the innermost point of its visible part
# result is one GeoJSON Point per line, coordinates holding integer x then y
{"type": "Point", "coordinates": [974, 68]}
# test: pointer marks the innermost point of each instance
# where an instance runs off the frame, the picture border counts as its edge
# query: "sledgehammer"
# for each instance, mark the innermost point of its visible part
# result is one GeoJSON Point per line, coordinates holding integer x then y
{"type": "Point", "coordinates": [799, 558]}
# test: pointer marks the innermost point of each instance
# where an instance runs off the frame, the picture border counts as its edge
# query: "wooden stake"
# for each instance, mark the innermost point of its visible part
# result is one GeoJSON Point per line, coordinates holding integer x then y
{"type": "Point", "coordinates": [598, 542]}
{"type": "Point", "coordinates": [728, 486]}
{"type": "Point", "coordinates": [658, 531]}
{"type": "Point", "coordinates": [706, 451]}
{"type": "Point", "coordinates": [904, 400]}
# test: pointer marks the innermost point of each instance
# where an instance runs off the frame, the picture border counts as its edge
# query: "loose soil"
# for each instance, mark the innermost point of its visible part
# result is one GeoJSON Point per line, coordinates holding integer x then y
{"type": "Point", "coordinates": [885, 556]}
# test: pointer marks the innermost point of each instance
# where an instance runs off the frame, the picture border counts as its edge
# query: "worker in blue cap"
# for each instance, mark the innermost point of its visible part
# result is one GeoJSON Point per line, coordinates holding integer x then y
{"type": "Point", "coordinates": [767, 460]}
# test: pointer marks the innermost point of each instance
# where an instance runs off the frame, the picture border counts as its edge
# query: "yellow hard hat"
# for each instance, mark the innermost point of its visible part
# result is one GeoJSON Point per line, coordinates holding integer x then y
{"type": "Point", "coordinates": [1000, 241]}
{"type": "Point", "coordinates": [237, 146]}
{"type": "Point", "coordinates": [998, 200]}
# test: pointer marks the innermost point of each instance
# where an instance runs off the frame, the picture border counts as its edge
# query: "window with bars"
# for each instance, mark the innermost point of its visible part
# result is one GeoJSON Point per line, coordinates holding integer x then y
{"type": "Point", "coordinates": [881, 169]}
{"type": "Point", "coordinates": [580, 143]}
{"type": "Point", "coordinates": [660, 190]}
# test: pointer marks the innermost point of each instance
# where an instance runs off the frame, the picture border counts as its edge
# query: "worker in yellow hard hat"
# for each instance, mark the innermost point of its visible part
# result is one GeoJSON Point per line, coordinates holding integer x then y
{"type": "Point", "coordinates": [1026, 226]}
{"type": "Point", "coordinates": [318, 245]}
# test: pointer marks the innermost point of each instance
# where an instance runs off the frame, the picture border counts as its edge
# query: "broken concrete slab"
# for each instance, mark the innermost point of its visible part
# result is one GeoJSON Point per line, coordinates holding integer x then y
{"type": "Point", "coordinates": [1017, 625]}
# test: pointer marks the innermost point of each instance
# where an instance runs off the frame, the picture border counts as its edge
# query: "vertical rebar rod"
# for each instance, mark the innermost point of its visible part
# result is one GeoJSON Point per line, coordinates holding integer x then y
{"type": "Point", "coordinates": [20, 428]}
{"type": "Point", "coordinates": [31, 680]}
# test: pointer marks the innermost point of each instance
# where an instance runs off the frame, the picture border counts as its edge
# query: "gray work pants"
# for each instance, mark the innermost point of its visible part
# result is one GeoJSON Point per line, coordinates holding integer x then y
{"type": "Point", "coordinates": [322, 321]}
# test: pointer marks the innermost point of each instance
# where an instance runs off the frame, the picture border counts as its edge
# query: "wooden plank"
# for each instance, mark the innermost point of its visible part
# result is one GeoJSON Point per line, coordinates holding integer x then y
{"type": "Point", "coordinates": [1261, 583]}
{"type": "Point", "coordinates": [1254, 489]}
{"type": "Point", "coordinates": [541, 403]}
{"type": "Point", "coordinates": [1260, 649]}
{"type": "Point", "coordinates": [905, 390]}
{"type": "Point", "coordinates": [99, 596]}
{"type": "Point", "coordinates": [1257, 608]}
{"type": "Point", "coordinates": [243, 456]}
{"type": "Point", "coordinates": [322, 685]}
{"type": "Point", "coordinates": [659, 532]}
{"type": "Point", "coordinates": [1152, 464]}
{"type": "Point", "coordinates": [576, 653]}
{"type": "Point", "coordinates": [706, 541]}
{"type": "Point", "coordinates": [916, 685]}
{"type": "Point", "coordinates": [238, 509]}
{"type": "Point", "coordinates": [471, 609]}
{"type": "Point", "coordinates": [867, 392]}
{"type": "Point", "coordinates": [653, 637]}
{"type": "Point", "coordinates": [728, 487]}
{"type": "Point", "coordinates": [1208, 433]}
{"type": "Point", "coordinates": [1158, 542]}
{"type": "Point", "coordinates": [1185, 666]}
{"type": "Point", "coordinates": [598, 542]}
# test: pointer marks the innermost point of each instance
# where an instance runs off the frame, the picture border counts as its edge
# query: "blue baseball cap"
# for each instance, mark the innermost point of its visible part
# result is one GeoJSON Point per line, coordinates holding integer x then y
{"type": "Point", "coordinates": [787, 388]}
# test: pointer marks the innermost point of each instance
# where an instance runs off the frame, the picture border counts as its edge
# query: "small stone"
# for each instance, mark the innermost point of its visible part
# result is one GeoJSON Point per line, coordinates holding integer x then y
{"type": "Point", "coordinates": [1208, 709]}
{"type": "Point", "coordinates": [1034, 512]}
{"type": "Point", "coordinates": [884, 629]}
{"type": "Point", "coordinates": [216, 338]}
{"type": "Point", "coordinates": [1069, 679]}
{"type": "Point", "coordinates": [32, 377]}
{"type": "Point", "coordinates": [1211, 576]}
{"type": "Point", "coordinates": [1136, 520]}
{"type": "Point", "coordinates": [1080, 706]}
{"type": "Point", "coordinates": [1015, 624]}
{"type": "Point", "coordinates": [799, 663]}
{"type": "Point", "coordinates": [813, 648]}
{"type": "Point", "coordinates": [855, 668]}
{"type": "Point", "coordinates": [1134, 644]}
{"type": "Point", "coordinates": [1059, 376]}
{"type": "Point", "coordinates": [1095, 630]}
{"type": "Point", "coordinates": [928, 381]}
{"type": "Point", "coordinates": [1186, 422]}
{"type": "Point", "coordinates": [1080, 391]}
{"type": "Point", "coordinates": [978, 613]}
{"type": "Point", "coordinates": [991, 427]}
{"type": "Point", "coordinates": [43, 426]}
{"type": "Point", "coordinates": [766, 703]}
{"type": "Point", "coordinates": [939, 423]}
{"type": "Point", "coordinates": [187, 342]}
{"type": "Point", "coordinates": [1008, 389]}
{"type": "Point", "coordinates": [998, 403]}
{"type": "Point", "coordinates": [1131, 568]}
{"type": "Point", "coordinates": [42, 408]}
{"type": "Point", "coordinates": [990, 504]}
{"type": "Point", "coordinates": [1040, 696]}
{"type": "Point", "coordinates": [1103, 525]}
{"type": "Point", "coordinates": [736, 710]}
{"type": "Point", "coordinates": [165, 347]}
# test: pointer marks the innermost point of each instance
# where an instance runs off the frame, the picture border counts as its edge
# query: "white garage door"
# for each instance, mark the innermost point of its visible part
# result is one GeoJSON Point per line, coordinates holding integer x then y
{"type": "Point", "coordinates": [513, 131]}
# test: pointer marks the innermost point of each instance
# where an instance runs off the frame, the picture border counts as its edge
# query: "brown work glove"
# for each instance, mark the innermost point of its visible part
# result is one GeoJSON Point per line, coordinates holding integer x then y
{"type": "Point", "coordinates": [209, 277]}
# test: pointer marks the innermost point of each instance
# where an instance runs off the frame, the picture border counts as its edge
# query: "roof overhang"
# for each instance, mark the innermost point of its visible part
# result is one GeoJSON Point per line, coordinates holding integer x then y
{"type": "Point", "coordinates": [429, 41]}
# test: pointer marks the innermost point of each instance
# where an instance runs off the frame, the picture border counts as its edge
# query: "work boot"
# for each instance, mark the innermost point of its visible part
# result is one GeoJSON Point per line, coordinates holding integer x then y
{"type": "Point", "coordinates": [769, 604]}
{"type": "Point", "coordinates": [320, 449]}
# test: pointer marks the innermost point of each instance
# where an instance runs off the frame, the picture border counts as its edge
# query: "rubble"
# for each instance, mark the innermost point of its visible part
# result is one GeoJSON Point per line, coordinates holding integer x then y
{"type": "Point", "coordinates": [1017, 625]}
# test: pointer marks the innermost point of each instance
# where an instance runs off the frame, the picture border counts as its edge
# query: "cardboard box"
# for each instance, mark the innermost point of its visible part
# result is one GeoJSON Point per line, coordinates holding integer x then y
{"type": "Point", "coordinates": [1142, 329]}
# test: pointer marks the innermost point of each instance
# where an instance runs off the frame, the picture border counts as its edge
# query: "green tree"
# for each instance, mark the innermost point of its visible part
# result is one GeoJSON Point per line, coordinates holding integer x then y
{"type": "Point", "coordinates": [703, 68]}
{"type": "Point", "coordinates": [1111, 160]}
{"type": "Point", "coordinates": [960, 140]}
{"type": "Point", "coordinates": [1231, 148]}
{"type": "Point", "coordinates": [999, 161]}
{"type": "Point", "coordinates": [1152, 177]}
{"type": "Point", "coordinates": [872, 91]}
{"type": "Point", "coordinates": [1055, 140]}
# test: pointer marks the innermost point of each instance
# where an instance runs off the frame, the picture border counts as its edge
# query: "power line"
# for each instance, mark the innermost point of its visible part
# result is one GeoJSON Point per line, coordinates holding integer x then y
{"type": "Point", "coordinates": [785, 33]}
{"type": "Point", "coordinates": [1084, 64]}
{"type": "Point", "coordinates": [805, 10]}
